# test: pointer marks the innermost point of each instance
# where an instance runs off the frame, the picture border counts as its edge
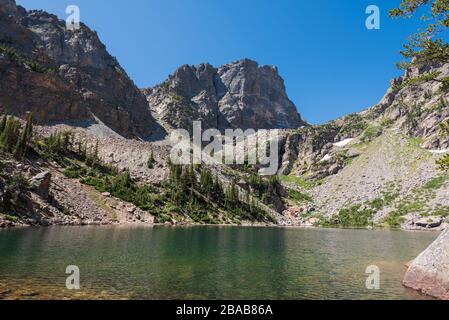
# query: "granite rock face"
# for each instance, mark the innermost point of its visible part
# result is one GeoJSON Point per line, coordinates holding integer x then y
{"type": "Point", "coordinates": [429, 272]}
{"type": "Point", "coordinates": [414, 111]}
{"type": "Point", "coordinates": [62, 75]}
{"type": "Point", "coordinates": [237, 95]}
{"type": "Point", "coordinates": [41, 184]}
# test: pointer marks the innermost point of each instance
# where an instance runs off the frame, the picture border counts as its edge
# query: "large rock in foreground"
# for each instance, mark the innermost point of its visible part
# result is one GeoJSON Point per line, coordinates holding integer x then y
{"type": "Point", "coordinates": [429, 273]}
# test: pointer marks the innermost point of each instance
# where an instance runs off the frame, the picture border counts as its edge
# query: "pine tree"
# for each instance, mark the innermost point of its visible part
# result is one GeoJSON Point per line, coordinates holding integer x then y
{"type": "Point", "coordinates": [66, 141]}
{"type": "Point", "coordinates": [21, 148]}
{"type": "Point", "coordinates": [83, 151]}
{"type": "Point", "coordinates": [29, 127]}
{"type": "Point", "coordinates": [217, 189]}
{"type": "Point", "coordinates": [444, 128]}
{"type": "Point", "coordinates": [151, 161]}
{"type": "Point", "coordinates": [80, 149]}
{"type": "Point", "coordinates": [93, 158]}
{"type": "Point", "coordinates": [3, 123]}
{"type": "Point", "coordinates": [8, 138]}
{"type": "Point", "coordinates": [175, 173]}
{"type": "Point", "coordinates": [232, 196]}
{"type": "Point", "coordinates": [443, 163]}
{"type": "Point", "coordinates": [96, 151]}
{"type": "Point", "coordinates": [206, 183]}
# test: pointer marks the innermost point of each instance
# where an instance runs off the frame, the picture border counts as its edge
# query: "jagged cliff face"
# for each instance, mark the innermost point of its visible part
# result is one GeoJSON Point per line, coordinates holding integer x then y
{"type": "Point", "coordinates": [63, 75]}
{"type": "Point", "coordinates": [414, 111]}
{"type": "Point", "coordinates": [380, 162]}
{"type": "Point", "coordinates": [238, 95]}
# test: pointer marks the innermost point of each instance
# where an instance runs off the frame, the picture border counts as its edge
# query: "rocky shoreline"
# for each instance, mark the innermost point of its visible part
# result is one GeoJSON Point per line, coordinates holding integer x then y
{"type": "Point", "coordinates": [8, 224]}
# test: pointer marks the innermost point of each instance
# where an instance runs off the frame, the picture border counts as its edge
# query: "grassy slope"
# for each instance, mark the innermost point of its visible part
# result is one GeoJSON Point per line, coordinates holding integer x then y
{"type": "Point", "coordinates": [391, 178]}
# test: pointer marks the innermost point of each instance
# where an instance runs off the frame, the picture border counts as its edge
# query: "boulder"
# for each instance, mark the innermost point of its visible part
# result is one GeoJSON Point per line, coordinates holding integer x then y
{"type": "Point", "coordinates": [429, 222]}
{"type": "Point", "coordinates": [429, 272]}
{"type": "Point", "coordinates": [41, 184]}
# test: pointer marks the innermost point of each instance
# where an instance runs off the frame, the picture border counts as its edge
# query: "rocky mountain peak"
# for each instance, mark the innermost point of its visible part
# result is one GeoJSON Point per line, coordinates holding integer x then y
{"type": "Point", "coordinates": [65, 76]}
{"type": "Point", "coordinates": [241, 94]}
{"type": "Point", "coordinates": [189, 81]}
{"type": "Point", "coordinates": [8, 7]}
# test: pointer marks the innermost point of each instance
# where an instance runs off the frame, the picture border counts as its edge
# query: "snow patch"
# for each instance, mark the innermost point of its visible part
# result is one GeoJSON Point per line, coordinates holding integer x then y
{"type": "Point", "coordinates": [344, 142]}
{"type": "Point", "coordinates": [326, 158]}
{"type": "Point", "coordinates": [439, 151]}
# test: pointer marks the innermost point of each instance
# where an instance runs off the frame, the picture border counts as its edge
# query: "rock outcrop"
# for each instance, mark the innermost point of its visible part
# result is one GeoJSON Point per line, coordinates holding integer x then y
{"type": "Point", "coordinates": [237, 95]}
{"type": "Point", "coordinates": [41, 184]}
{"type": "Point", "coordinates": [65, 76]}
{"type": "Point", "coordinates": [429, 272]}
{"type": "Point", "coordinates": [412, 110]}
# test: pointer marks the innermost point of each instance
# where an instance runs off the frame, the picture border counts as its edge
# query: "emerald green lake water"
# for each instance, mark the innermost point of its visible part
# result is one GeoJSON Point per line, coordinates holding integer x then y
{"type": "Point", "coordinates": [206, 262]}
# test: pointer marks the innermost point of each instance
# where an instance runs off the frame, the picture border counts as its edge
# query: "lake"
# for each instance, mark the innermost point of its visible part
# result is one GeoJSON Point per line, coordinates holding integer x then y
{"type": "Point", "coordinates": [131, 262]}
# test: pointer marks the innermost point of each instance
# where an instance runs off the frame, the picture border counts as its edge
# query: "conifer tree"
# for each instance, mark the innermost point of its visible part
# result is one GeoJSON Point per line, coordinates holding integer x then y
{"type": "Point", "coordinates": [94, 158]}
{"type": "Point", "coordinates": [424, 46]}
{"type": "Point", "coordinates": [3, 123]}
{"type": "Point", "coordinates": [8, 138]}
{"type": "Point", "coordinates": [80, 149]}
{"type": "Point", "coordinates": [232, 196]}
{"type": "Point", "coordinates": [21, 148]}
{"type": "Point", "coordinates": [151, 161]}
{"type": "Point", "coordinates": [443, 163]}
{"type": "Point", "coordinates": [29, 127]}
{"type": "Point", "coordinates": [444, 128]}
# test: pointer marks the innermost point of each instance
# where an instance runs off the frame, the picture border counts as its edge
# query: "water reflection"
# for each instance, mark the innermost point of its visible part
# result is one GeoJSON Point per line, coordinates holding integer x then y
{"type": "Point", "coordinates": [211, 262]}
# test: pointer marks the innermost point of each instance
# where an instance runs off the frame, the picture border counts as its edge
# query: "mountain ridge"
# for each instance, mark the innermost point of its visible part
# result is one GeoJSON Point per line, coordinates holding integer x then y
{"type": "Point", "coordinates": [69, 75]}
{"type": "Point", "coordinates": [240, 94]}
{"type": "Point", "coordinates": [371, 168]}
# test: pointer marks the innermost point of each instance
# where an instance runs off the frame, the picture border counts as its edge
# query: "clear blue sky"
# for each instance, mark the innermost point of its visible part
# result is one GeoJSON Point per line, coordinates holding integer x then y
{"type": "Point", "coordinates": [332, 65]}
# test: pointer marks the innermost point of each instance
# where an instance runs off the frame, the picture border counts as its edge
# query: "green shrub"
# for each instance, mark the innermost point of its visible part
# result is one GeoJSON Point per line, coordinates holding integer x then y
{"type": "Point", "coordinates": [162, 218]}
{"type": "Point", "coordinates": [443, 163]}
{"type": "Point", "coordinates": [355, 216]}
{"type": "Point", "coordinates": [300, 182]}
{"type": "Point", "coordinates": [395, 219]}
{"type": "Point", "coordinates": [444, 128]}
{"type": "Point", "coordinates": [436, 183]}
{"type": "Point", "coordinates": [371, 133]}
{"type": "Point", "coordinates": [299, 196]}
{"type": "Point", "coordinates": [423, 78]}
{"type": "Point", "coordinates": [74, 172]}
{"type": "Point", "coordinates": [20, 58]}
{"type": "Point", "coordinates": [18, 182]}
{"type": "Point", "coordinates": [11, 218]}
{"type": "Point", "coordinates": [377, 204]}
